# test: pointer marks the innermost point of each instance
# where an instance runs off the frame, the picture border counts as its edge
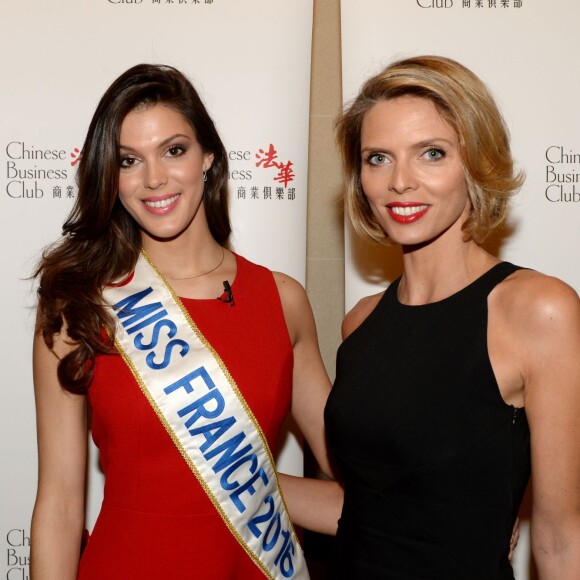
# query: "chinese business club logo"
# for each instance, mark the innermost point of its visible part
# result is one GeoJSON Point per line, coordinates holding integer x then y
{"type": "Point", "coordinates": [562, 174]}
{"type": "Point", "coordinates": [265, 174]}
{"type": "Point", "coordinates": [17, 554]}
{"type": "Point", "coordinates": [166, 2]}
{"type": "Point", "coordinates": [470, 3]}
{"type": "Point", "coordinates": [33, 172]}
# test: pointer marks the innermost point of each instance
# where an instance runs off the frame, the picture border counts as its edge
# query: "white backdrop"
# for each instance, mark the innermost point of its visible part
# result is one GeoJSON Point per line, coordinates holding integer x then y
{"type": "Point", "coordinates": [526, 51]}
{"type": "Point", "coordinates": [250, 62]}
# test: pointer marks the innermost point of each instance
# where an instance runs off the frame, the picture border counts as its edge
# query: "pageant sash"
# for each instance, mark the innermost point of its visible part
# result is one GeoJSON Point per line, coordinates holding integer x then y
{"type": "Point", "coordinates": [200, 406]}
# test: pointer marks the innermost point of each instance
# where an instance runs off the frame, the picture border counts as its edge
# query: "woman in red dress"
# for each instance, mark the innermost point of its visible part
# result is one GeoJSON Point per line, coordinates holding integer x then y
{"type": "Point", "coordinates": [153, 177]}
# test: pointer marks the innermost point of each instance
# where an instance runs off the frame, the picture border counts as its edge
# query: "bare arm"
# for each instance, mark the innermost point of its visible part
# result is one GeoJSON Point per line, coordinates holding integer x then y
{"type": "Point", "coordinates": [551, 372]}
{"type": "Point", "coordinates": [310, 386]}
{"type": "Point", "coordinates": [58, 517]}
{"type": "Point", "coordinates": [313, 504]}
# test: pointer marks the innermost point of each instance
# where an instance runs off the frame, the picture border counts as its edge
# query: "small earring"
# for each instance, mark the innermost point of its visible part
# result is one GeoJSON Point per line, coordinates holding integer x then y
{"type": "Point", "coordinates": [204, 174]}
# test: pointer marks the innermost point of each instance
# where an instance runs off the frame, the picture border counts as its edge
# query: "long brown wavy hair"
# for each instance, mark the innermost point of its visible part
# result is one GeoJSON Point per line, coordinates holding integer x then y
{"type": "Point", "coordinates": [100, 241]}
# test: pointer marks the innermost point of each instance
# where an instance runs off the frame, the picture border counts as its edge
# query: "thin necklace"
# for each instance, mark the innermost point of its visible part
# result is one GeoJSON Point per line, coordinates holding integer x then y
{"type": "Point", "coordinates": [203, 273]}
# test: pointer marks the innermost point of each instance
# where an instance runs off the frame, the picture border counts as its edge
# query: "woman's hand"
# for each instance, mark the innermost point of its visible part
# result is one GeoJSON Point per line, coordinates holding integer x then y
{"type": "Point", "coordinates": [314, 504]}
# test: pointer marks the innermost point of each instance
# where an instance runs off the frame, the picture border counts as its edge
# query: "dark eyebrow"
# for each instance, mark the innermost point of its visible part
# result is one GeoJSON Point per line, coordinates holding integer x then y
{"type": "Point", "coordinates": [162, 144]}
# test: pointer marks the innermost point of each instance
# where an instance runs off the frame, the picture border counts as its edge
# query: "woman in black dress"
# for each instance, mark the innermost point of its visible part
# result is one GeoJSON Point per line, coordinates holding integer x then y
{"type": "Point", "coordinates": [464, 374]}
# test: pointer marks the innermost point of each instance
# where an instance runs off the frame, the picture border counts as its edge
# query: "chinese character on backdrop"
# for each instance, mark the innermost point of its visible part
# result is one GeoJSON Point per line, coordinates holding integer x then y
{"type": "Point", "coordinates": [286, 174]}
{"type": "Point", "coordinates": [268, 158]}
{"type": "Point", "coordinates": [75, 156]}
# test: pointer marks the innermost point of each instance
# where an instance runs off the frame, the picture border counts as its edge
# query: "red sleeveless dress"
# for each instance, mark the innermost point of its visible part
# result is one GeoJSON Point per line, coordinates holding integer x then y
{"type": "Point", "coordinates": [156, 521]}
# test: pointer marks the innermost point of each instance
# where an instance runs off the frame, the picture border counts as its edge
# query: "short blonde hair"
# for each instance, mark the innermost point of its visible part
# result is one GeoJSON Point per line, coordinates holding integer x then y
{"type": "Point", "coordinates": [466, 104]}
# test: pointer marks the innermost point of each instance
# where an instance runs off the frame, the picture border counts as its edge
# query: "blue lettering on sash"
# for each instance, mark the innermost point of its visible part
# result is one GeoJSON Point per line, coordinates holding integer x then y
{"type": "Point", "coordinates": [185, 382]}
{"type": "Point", "coordinates": [224, 480]}
{"type": "Point", "coordinates": [220, 427]}
{"type": "Point", "coordinates": [127, 307]}
{"type": "Point", "coordinates": [172, 331]}
{"type": "Point", "coordinates": [198, 408]}
{"type": "Point", "coordinates": [134, 318]}
{"type": "Point", "coordinates": [268, 526]}
{"type": "Point", "coordinates": [230, 457]}
{"type": "Point", "coordinates": [249, 487]}
{"type": "Point", "coordinates": [153, 318]}
{"type": "Point", "coordinates": [150, 358]}
{"type": "Point", "coordinates": [227, 449]}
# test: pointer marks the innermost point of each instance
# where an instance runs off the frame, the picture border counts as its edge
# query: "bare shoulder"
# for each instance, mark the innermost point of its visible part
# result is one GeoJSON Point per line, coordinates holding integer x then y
{"type": "Point", "coordinates": [538, 315]}
{"type": "Point", "coordinates": [536, 302]}
{"type": "Point", "coordinates": [295, 305]}
{"type": "Point", "coordinates": [292, 293]}
{"type": "Point", "coordinates": [355, 317]}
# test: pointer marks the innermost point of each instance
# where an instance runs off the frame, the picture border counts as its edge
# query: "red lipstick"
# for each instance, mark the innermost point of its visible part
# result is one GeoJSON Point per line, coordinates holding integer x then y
{"type": "Point", "coordinates": [407, 212]}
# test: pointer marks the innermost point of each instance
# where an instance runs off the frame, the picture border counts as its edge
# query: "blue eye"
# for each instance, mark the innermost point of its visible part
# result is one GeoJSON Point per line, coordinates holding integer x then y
{"type": "Point", "coordinates": [377, 159]}
{"type": "Point", "coordinates": [434, 154]}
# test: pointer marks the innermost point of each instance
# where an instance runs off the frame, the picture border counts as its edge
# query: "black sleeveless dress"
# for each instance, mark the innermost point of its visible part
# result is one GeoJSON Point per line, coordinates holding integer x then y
{"type": "Point", "coordinates": [434, 461]}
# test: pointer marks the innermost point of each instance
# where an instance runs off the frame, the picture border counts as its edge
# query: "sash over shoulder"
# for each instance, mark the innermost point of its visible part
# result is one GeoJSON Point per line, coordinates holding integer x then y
{"type": "Point", "coordinates": [199, 404]}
